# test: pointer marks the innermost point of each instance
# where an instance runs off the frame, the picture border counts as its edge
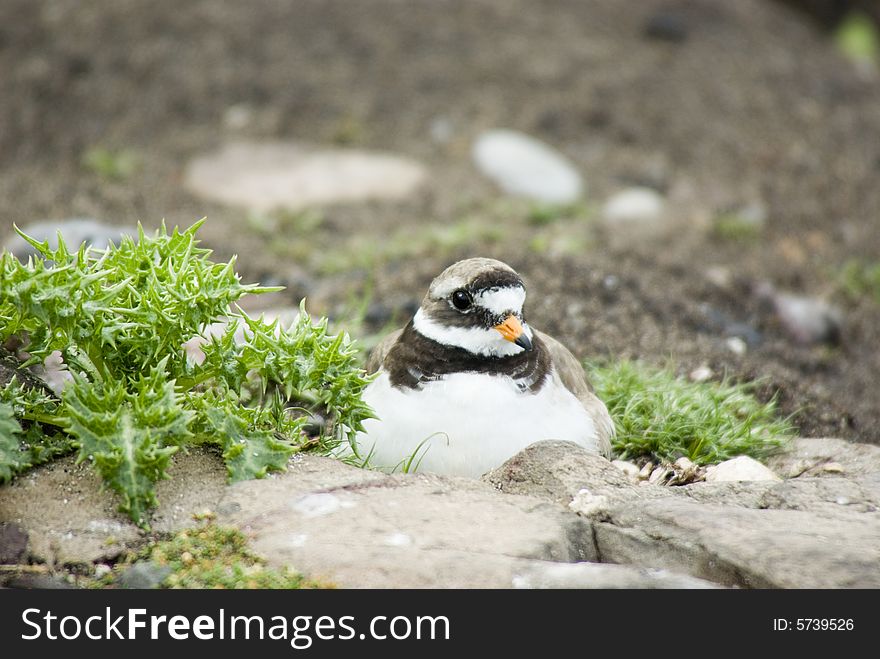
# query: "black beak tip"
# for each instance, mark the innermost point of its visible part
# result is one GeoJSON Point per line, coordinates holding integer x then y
{"type": "Point", "coordinates": [524, 342]}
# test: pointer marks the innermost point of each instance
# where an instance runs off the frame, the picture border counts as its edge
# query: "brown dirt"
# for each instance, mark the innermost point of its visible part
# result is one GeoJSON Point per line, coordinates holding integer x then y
{"type": "Point", "coordinates": [754, 104]}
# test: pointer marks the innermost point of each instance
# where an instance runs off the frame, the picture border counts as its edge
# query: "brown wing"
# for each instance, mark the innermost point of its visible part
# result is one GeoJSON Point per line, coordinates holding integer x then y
{"type": "Point", "coordinates": [378, 354]}
{"type": "Point", "coordinates": [571, 372]}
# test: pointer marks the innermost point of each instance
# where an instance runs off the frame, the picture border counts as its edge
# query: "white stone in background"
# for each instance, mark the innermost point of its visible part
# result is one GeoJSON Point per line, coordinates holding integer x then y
{"type": "Point", "coordinates": [634, 208]}
{"type": "Point", "coordinates": [525, 167]}
{"type": "Point", "coordinates": [701, 374]}
{"type": "Point", "coordinates": [736, 345]}
{"type": "Point", "coordinates": [740, 468]}
{"type": "Point", "coordinates": [278, 175]}
{"type": "Point", "coordinates": [75, 231]}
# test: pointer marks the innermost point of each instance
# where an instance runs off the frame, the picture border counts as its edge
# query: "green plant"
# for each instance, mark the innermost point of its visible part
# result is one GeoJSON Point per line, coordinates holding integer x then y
{"type": "Point", "coordinates": [111, 165]}
{"type": "Point", "coordinates": [663, 417]}
{"type": "Point", "coordinates": [120, 318]}
{"type": "Point", "coordinates": [213, 556]}
{"type": "Point", "coordinates": [733, 226]}
{"type": "Point", "coordinates": [859, 279]}
{"type": "Point", "coordinates": [858, 39]}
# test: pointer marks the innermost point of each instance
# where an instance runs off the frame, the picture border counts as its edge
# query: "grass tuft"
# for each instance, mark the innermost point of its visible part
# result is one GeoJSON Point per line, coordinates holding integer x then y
{"type": "Point", "coordinates": [663, 417]}
{"type": "Point", "coordinates": [213, 556]}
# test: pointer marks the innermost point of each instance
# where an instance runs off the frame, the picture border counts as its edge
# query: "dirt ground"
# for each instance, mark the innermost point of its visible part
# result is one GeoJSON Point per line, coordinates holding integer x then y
{"type": "Point", "coordinates": [727, 105]}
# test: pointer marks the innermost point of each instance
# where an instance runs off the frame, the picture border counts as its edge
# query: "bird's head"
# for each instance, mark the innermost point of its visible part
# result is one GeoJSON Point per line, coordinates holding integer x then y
{"type": "Point", "coordinates": [476, 305]}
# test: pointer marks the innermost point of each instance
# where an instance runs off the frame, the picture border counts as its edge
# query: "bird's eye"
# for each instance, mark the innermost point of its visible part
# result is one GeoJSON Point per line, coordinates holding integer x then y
{"type": "Point", "coordinates": [461, 300]}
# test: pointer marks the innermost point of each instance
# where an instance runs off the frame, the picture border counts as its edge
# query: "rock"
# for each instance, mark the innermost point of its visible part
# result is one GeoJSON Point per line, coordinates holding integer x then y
{"type": "Point", "coordinates": [602, 575]}
{"type": "Point", "coordinates": [740, 468]}
{"type": "Point", "coordinates": [144, 575]}
{"type": "Point", "coordinates": [667, 25]}
{"type": "Point", "coordinates": [269, 176]}
{"type": "Point", "coordinates": [74, 231]}
{"type": "Point", "coordinates": [71, 520]}
{"type": "Point", "coordinates": [701, 374]}
{"type": "Point", "coordinates": [807, 456]}
{"type": "Point", "coordinates": [13, 543]}
{"type": "Point", "coordinates": [556, 471]}
{"type": "Point", "coordinates": [634, 209]}
{"type": "Point", "coordinates": [736, 345]}
{"type": "Point", "coordinates": [744, 547]}
{"type": "Point", "coordinates": [38, 582]}
{"type": "Point", "coordinates": [807, 320]}
{"type": "Point", "coordinates": [357, 528]}
{"type": "Point", "coordinates": [586, 503]}
{"type": "Point", "coordinates": [628, 468]}
{"type": "Point", "coordinates": [525, 167]}
{"type": "Point", "coordinates": [646, 471]}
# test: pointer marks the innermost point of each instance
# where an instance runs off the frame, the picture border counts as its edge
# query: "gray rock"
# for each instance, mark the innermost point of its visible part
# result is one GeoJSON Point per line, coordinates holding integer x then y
{"type": "Point", "coordinates": [806, 320]}
{"type": "Point", "coordinates": [557, 471]}
{"type": "Point", "coordinates": [602, 575]}
{"type": "Point", "coordinates": [277, 175]}
{"type": "Point", "coordinates": [144, 575]}
{"type": "Point", "coordinates": [38, 582]}
{"type": "Point", "coordinates": [525, 167]}
{"type": "Point", "coordinates": [745, 547]}
{"type": "Point", "coordinates": [740, 468]}
{"type": "Point", "coordinates": [363, 529]}
{"type": "Point", "coordinates": [13, 543]}
{"type": "Point", "coordinates": [75, 231]}
{"type": "Point", "coordinates": [808, 456]}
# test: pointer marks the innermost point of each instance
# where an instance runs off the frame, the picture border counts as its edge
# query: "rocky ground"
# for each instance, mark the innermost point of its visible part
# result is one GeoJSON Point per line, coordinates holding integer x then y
{"type": "Point", "coordinates": [707, 176]}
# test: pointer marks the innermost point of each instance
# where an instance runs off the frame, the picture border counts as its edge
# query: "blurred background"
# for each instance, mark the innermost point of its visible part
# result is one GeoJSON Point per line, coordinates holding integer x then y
{"type": "Point", "coordinates": [692, 181]}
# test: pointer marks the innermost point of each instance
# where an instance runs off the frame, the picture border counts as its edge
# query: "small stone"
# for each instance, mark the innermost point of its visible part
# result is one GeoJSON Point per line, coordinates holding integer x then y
{"type": "Point", "coordinates": [526, 167]}
{"type": "Point", "coordinates": [833, 468]}
{"type": "Point", "coordinates": [719, 276]}
{"type": "Point", "coordinates": [684, 463]}
{"type": "Point", "coordinates": [808, 321]}
{"type": "Point", "coordinates": [646, 471]}
{"type": "Point", "coordinates": [634, 208]}
{"type": "Point", "coordinates": [666, 25]}
{"type": "Point", "coordinates": [736, 345]}
{"type": "Point", "coordinates": [102, 569]}
{"type": "Point", "coordinates": [13, 543]}
{"type": "Point", "coordinates": [740, 468]}
{"type": "Point", "coordinates": [144, 575]}
{"type": "Point", "coordinates": [842, 501]}
{"type": "Point", "coordinates": [659, 475]}
{"type": "Point", "coordinates": [701, 374]}
{"type": "Point", "coordinates": [627, 468]}
{"type": "Point", "coordinates": [587, 503]}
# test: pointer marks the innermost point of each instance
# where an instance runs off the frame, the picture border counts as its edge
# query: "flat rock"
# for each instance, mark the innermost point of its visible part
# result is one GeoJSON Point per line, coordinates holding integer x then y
{"type": "Point", "coordinates": [75, 231]}
{"type": "Point", "coordinates": [745, 547]}
{"type": "Point", "coordinates": [808, 456]}
{"type": "Point", "coordinates": [740, 468]}
{"type": "Point", "coordinates": [364, 529]}
{"type": "Point", "coordinates": [70, 520]}
{"type": "Point", "coordinates": [523, 166]}
{"type": "Point", "coordinates": [13, 543]}
{"type": "Point", "coordinates": [602, 575]}
{"type": "Point", "coordinates": [280, 175]}
{"type": "Point", "coordinates": [634, 207]}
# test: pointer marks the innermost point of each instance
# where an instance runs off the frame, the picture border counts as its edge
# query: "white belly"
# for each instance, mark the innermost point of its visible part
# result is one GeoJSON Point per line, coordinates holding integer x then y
{"type": "Point", "coordinates": [467, 424]}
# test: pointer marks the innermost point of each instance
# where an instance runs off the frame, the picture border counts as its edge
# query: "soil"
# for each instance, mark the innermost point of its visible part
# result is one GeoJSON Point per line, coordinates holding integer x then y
{"type": "Point", "coordinates": [718, 106]}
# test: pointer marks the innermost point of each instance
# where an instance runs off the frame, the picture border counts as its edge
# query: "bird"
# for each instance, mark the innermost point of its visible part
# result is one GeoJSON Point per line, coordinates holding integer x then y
{"type": "Point", "coordinates": [468, 383]}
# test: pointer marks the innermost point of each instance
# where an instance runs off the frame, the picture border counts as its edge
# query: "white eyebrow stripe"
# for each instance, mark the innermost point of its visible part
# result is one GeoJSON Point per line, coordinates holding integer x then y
{"type": "Point", "coordinates": [502, 300]}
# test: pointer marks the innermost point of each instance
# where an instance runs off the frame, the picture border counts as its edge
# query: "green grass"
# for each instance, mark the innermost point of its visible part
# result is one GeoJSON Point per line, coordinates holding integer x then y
{"type": "Point", "coordinates": [663, 417]}
{"type": "Point", "coordinates": [735, 227]}
{"type": "Point", "coordinates": [213, 556]}
{"type": "Point", "coordinates": [858, 39]}
{"type": "Point", "coordinates": [111, 165]}
{"type": "Point", "coordinates": [859, 279]}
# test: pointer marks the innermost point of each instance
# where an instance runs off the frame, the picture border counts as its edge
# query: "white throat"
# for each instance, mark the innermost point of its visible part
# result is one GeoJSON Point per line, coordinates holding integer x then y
{"type": "Point", "coordinates": [485, 342]}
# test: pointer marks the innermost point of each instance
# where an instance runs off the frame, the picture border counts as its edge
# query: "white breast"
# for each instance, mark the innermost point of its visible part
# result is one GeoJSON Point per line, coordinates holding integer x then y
{"type": "Point", "coordinates": [466, 423]}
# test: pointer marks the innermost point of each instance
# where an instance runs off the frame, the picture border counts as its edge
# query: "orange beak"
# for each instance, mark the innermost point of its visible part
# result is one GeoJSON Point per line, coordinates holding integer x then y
{"type": "Point", "coordinates": [512, 330]}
